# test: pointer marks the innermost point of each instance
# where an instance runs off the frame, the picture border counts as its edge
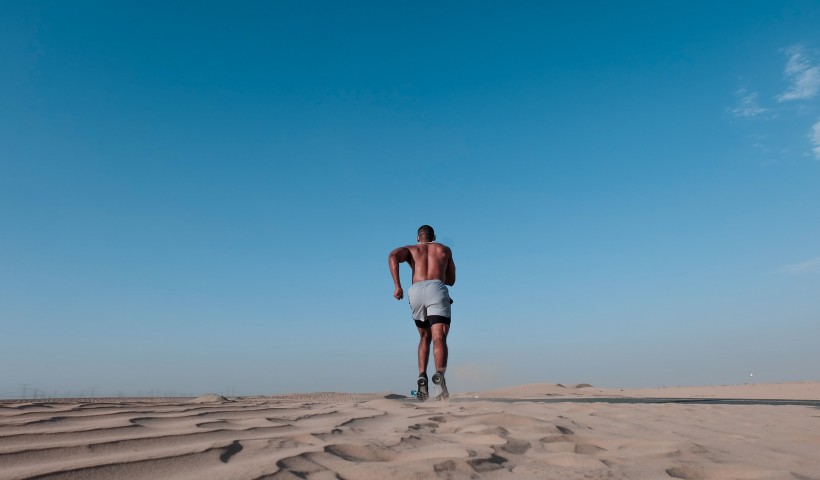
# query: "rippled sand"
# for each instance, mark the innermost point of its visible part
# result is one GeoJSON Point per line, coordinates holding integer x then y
{"type": "Point", "coordinates": [331, 436]}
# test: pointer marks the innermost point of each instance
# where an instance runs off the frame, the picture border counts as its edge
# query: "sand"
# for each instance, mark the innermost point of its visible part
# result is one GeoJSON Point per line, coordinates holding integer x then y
{"type": "Point", "coordinates": [505, 433]}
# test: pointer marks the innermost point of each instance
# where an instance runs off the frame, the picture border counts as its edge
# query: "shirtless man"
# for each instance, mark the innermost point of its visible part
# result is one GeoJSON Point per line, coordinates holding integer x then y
{"type": "Point", "coordinates": [433, 269]}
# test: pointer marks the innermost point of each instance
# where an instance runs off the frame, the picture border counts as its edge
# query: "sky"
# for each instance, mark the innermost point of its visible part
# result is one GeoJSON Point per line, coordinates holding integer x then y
{"type": "Point", "coordinates": [201, 198]}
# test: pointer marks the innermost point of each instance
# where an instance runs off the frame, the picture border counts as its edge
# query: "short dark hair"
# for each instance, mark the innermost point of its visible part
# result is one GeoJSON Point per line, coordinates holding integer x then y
{"type": "Point", "coordinates": [427, 231]}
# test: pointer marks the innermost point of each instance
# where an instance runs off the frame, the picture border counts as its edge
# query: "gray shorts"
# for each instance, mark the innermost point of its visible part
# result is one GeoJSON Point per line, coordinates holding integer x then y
{"type": "Point", "coordinates": [430, 298]}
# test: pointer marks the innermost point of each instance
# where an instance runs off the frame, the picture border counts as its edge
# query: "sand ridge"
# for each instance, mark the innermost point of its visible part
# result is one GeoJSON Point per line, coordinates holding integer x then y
{"type": "Point", "coordinates": [370, 436]}
{"type": "Point", "coordinates": [771, 391]}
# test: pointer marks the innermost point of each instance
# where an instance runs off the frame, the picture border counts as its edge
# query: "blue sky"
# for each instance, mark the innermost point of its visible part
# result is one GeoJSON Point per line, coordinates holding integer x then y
{"type": "Point", "coordinates": [202, 198]}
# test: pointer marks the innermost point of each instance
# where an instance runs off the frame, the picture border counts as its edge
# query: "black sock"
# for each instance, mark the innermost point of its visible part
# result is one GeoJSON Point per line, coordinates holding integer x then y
{"type": "Point", "coordinates": [423, 374]}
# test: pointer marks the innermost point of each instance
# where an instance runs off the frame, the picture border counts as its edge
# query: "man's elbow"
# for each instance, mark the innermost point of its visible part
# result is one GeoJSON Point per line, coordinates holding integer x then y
{"type": "Point", "coordinates": [397, 256]}
{"type": "Point", "coordinates": [393, 258]}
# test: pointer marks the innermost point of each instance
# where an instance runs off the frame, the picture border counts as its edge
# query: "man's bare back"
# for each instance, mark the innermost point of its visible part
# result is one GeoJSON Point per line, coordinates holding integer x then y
{"type": "Point", "coordinates": [428, 260]}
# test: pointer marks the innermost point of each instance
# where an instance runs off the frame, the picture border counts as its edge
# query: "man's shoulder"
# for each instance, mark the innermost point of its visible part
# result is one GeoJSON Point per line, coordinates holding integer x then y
{"type": "Point", "coordinates": [443, 247]}
{"type": "Point", "coordinates": [412, 250]}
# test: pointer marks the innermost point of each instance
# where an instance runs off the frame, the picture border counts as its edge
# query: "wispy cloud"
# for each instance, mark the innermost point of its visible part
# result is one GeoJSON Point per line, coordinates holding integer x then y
{"type": "Point", "coordinates": [747, 104]}
{"type": "Point", "coordinates": [809, 266]}
{"type": "Point", "coordinates": [802, 90]}
{"type": "Point", "coordinates": [803, 75]}
{"type": "Point", "coordinates": [814, 136]}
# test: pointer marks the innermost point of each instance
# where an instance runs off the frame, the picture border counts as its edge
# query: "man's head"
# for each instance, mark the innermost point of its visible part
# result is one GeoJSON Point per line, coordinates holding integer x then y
{"type": "Point", "coordinates": [426, 234]}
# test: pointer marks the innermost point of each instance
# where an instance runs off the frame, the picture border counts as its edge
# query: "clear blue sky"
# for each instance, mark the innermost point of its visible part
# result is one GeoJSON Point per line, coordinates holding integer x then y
{"type": "Point", "coordinates": [201, 197]}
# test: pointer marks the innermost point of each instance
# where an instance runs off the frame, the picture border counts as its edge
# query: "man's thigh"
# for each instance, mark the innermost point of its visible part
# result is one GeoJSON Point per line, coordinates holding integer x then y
{"type": "Point", "coordinates": [439, 330]}
{"type": "Point", "coordinates": [424, 332]}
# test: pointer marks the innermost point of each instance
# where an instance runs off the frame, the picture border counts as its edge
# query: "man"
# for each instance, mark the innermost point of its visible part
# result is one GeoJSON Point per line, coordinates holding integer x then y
{"type": "Point", "coordinates": [433, 269]}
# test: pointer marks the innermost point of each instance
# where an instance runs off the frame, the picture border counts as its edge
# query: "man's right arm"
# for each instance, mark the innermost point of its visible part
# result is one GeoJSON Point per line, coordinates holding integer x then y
{"type": "Point", "coordinates": [450, 271]}
{"type": "Point", "coordinates": [397, 256]}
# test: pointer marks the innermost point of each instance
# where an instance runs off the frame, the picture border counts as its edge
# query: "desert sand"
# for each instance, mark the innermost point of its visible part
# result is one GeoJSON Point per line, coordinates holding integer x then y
{"type": "Point", "coordinates": [506, 433]}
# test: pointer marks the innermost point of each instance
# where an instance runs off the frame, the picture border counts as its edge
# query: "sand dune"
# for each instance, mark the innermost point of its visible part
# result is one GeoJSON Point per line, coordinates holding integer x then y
{"type": "Point", "coordinates": [772, 391]}
{"type": "Point", "coordinates": [376, 436]}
